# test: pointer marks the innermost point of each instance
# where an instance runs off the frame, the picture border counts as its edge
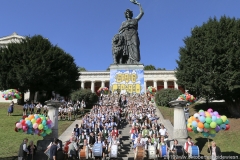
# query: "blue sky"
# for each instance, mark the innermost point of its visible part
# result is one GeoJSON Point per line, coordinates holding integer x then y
{"type": "Point", "coordinates": [84, 28]}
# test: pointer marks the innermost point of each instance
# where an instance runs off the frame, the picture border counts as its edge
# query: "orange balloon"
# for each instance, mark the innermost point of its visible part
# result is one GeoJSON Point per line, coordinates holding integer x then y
{"type": "Point", "coordinates": [200, 125]}
{"type": "Point", "coordinates": [193, 118]}
{"type": "Point", "coordinates": [30, 117]}
{"type": "Point", "coordinates": [197, 120]}
{"type": "Point", "coordinates": [190, 120]}
{"type": "Point", "coordinates": [189, 129]}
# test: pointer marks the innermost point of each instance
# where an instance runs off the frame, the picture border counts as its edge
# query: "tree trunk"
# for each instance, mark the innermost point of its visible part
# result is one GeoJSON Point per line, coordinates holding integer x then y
{"type": "Point", "coordinates": [234, 108]}
{"type": "Point", "coordinates": [21, 101]}
{"type": "Point", "coordinates": [32, 95]}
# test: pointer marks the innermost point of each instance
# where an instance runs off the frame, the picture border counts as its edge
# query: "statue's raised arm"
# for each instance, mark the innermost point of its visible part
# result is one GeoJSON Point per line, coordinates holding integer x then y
{"type": "Point", "coordinates": [141, 12]}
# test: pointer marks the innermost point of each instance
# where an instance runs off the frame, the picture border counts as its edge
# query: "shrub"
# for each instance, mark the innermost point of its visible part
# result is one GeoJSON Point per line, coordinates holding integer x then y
{"type": "Point", "coordinates": [164, 96]}
{"type": "Point", "coordinates": [86, 95]}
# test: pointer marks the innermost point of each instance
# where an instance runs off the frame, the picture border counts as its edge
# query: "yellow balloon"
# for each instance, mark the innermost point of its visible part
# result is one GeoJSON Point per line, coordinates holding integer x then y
{"type": "Point", "coordinates": [26, 119]}
{"type": "Point", "coordinates": [212, 131]}
{"type": "Point", "coordinates": [189, 125]}
{"type": "Point", "coordinates": [224, 118]}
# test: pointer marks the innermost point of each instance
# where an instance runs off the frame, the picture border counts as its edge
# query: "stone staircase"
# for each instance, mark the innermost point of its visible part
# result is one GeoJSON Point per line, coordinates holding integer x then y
{"type": "Point", "coordinates": [126, 152]}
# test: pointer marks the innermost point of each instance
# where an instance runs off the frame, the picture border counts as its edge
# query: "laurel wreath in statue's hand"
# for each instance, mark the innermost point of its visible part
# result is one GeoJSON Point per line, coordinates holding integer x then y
{"type": "Point", "coordinates": [134, 2]}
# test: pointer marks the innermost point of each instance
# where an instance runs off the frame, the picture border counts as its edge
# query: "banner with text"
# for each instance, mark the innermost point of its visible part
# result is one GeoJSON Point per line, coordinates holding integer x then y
{"type": "Point", "coordinates": [132, 81]}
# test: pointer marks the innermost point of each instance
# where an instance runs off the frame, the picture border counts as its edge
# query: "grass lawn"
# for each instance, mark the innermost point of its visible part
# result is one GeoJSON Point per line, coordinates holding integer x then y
{"type": "Point", "coordinates": [228, 141]}
{"type": "Point", "coordinates": [9, 139]}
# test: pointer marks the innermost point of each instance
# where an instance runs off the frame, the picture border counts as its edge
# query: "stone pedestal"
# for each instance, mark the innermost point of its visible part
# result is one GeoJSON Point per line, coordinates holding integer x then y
{"type": "Point", "coordinates": [180, 130]}
{"type": "Point", "coordinates": [53, 115]}
{"type": "Point", "coordinates": [128, 77]}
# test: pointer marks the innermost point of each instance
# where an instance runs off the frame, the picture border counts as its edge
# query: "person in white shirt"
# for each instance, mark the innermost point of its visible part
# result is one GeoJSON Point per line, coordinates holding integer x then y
{"type": "Point", "coordinates": [187, 144]}
{"type": "Point", "coordinates": [38, 106]}
{"type": "Point", "coordinates": [45, 110]}
{"type": "Point", "coordinates": [163, 131]}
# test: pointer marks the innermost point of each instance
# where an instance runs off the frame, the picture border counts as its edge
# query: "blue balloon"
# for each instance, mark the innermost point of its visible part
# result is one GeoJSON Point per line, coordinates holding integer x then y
{"type": "Point", "coordinates": [36, 116]}
{"type": "Point", "coordinates": [223, 126]}
{"type": "Point", "coordinates": [202, 119]}
{"type": "Point", "coordinates": [214, 118]}
{"type": "Point", "coordinates": [44, 122]}
{"type": "Point", "coordinates": [194, 123]}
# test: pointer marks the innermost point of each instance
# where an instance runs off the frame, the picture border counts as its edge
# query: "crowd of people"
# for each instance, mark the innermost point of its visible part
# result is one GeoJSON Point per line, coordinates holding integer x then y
{"type": "Point", "coordinates": [100, 127]}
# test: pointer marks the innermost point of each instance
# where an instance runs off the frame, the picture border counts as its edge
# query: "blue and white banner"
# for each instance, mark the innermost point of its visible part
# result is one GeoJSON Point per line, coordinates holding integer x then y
{"type": "Point", "coordinates": [132, 81]}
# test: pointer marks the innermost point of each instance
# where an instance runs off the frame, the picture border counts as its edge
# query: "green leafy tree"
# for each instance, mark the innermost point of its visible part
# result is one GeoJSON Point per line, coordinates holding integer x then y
{"type": "Point", "coordinates": [161, 68]}
{"type": "Point", "coordinates": [86, 95]}
{"type": "Point", "coordinates": [209, 63]}
{"type": "Point", "coordinates": [80, 69]}
{"type": "Point", "coordinates": [35, 64]}
{"type": "Point", "coordinates": [149, 67]}
{"type": "Point", "coordinates": [164, 96]}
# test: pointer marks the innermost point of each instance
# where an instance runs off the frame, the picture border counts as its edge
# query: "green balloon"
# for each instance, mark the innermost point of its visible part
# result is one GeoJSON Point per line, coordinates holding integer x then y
{"type": "Point", "coordinates": [201, 110]}
{"type": "Point", "coordinates": [205, 134]}
{"type": "Point", "coordinates": [206, 125]}
{"type": "Point", "coordinates": [219, 121]}
{"type": "Point", "coordinates": [213, 124]}
{"type": "Point", "coordinates": [212, 131]}
{"type": "Point", "coordinates": [194, 128]}
{"type": "Point", "coordinates": [195, 131]}
{"type": "Point", "coordinates": [208, 120]}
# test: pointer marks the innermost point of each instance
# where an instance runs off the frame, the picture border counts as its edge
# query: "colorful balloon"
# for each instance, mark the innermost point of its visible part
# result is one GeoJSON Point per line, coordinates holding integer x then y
{"type": "Point", "coordinates": [224, 118]}
{"type": "Point", "coordinates": [213, 124]}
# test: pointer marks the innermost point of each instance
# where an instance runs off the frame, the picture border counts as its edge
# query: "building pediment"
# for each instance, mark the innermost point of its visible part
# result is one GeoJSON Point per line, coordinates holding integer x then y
{"type": "Point", "coordinates": [13, 38]}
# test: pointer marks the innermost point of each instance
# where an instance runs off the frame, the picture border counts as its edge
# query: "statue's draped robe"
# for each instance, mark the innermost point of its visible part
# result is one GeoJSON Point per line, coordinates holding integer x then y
{"type": "Point", "coordinates": [132, 42]}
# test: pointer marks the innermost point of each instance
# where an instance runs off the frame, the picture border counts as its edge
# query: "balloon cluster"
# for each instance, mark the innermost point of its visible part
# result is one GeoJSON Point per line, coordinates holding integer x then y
{"type": "Point", "coordinates": [151, 90]}
{"type": "Point", "coordinates": [34, 124]}
{"type": "Point", "coordinates": [208, 123]}
{"type": "Point", "coordinates": [103, 90]}
{"type": "Point", "coordinates": [187, 97]}
{"type": "Point", "coordinates": [11, 94]}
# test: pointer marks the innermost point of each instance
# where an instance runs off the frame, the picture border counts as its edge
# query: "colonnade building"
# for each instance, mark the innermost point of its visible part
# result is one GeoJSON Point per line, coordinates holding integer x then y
{"type": "Point", "coordinates": [160, 79]}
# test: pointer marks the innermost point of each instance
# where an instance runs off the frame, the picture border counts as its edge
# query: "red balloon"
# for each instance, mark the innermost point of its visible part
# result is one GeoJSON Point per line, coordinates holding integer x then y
{"type": "Point", "coordinates": [189, 129]}
{"type": "Point", "coordinates": [23, 122]}
{"type": "Point", "coordinates": [227, 127]}
{"type": "Point", "coordinates": [24, 117]}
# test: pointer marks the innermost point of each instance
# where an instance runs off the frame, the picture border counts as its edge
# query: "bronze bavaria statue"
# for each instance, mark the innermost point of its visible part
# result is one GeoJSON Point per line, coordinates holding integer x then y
{"type": "Point", "coordinates": [125, 44]}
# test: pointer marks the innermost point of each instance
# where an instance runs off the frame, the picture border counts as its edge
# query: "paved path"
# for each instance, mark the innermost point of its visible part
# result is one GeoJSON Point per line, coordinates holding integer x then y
{"type": "Point", "coordinates": [65, 136]}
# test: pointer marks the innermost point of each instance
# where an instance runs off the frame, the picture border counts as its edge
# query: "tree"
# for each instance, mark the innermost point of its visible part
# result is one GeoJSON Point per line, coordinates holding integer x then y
{"type": "Point", "coordinates": [161, 69]}
{"type": "Point", "coordinates": [149, 67]}
{"type": "Point", "coordinates": [164, 96]}
{"type": "Point", "coordinates": [209, 63]}
{"type": "Point", "coordinates": [35, 64]}
{"type": "Point", "coordinates": [80, 69]}
{"type": "Point", "coordinates": [86, 95]}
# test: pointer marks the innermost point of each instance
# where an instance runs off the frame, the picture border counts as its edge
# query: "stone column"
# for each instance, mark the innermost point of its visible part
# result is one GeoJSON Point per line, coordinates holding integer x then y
{"type": "Point", "coordinates": [155, 84]}
{"type": "Point", "coordinates": [103, 84]}
{"type": "Point", "coordinates": [180, 130]}
{"type": "Point", "coordinates": [93, 86]}
{"type": "Point", "coordinates": [145, 87]}
{"type": "Point", "coordinates": [175, 85]}
{"type": "Point", "coordinates": [53, 115]}
{"type": "Point", "coordinates": [82, 84]}
{"type": "Point", "coordinates": [165, 84]}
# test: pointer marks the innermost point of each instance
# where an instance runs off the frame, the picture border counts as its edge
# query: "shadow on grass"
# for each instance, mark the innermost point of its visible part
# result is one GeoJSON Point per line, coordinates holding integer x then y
{"type": "Point", "coordinates": [201, 142]}
{"type": "Point", "coordinates": [233, 154]}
